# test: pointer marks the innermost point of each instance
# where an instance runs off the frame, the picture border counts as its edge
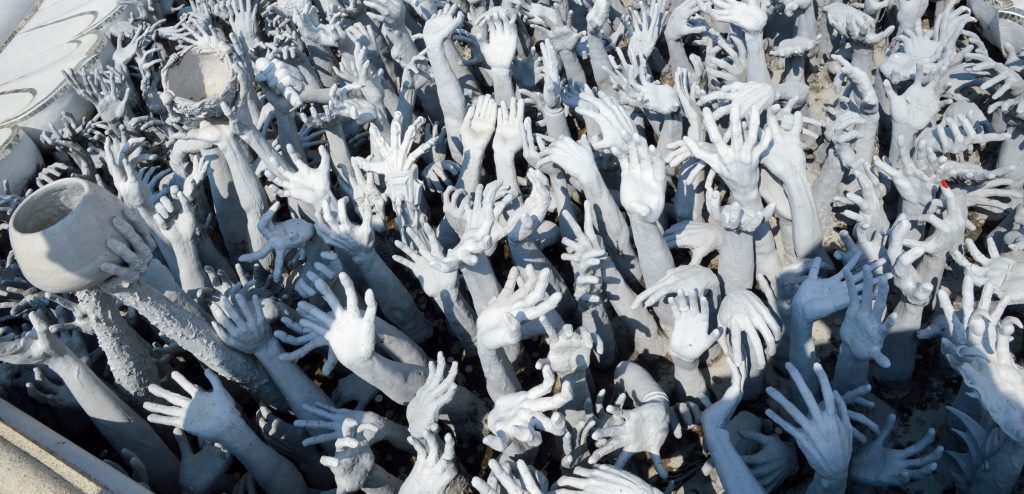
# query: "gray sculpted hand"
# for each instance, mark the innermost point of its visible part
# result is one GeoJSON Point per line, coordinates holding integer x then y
{"type": "Point", "coordinates": [640, 430]}
{"type": "Point", "coordinates": [284, 79]}
{"type": "Point", "coordinates": [863, 330]}
{"type": "Point", "coordinates": [824, 433]}
{"type": "Point", "coordinates": [748, 16]}
{"type": "Point", "coordinates": [874, 464]}
{"type": "Point", "coordinates": [281, 238]}
{"type": "Point", "coordinates": [306, 184]}
{"type": "Point", "coordinates": [774, 462]}
{"type": "Point", "coordinates": [135, 255]}
{"type": "Point", "coordinates": [690, 338]}
{"type": "Point", "coordinates": [334, 226]}
{"type": "Point", "coordinates": [745, 315]}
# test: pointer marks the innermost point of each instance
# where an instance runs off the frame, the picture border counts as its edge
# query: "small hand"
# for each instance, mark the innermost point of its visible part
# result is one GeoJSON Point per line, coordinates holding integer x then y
{"type": "Point", "coordinates": [334, 420]}
{"type": "Point", "coordinates": [442, 24]}
{"type": "Point", "coordinates": [854, 24]}
{"type": "Point", "coordinates": [918, 105]}
{"type": "Point", "coordinates": [479, 125]}
{"type": "Point", "coordinates": [684, 21]}
{"type": "Point", "coordinates": [391, 13]}
{"type": "Point", "coordinates": [616, 128]}
{"type": "Point", "coordinates": [646, 24]}
{"type": "Point", "coordinates": [507, 135]}
{"type": "Point", "coordinates": [743, 314]}
{"type": "Point", "coordinates": [425, 257]}
{"type": "Point", "coordinates": [350, 335]}
{"type": "Point", "coordinates": [523, 222]}
{"type": "Point", "coordinates": [283, 78]}
{"type": "Point", "coordinates": [747, 16]}
{"type": "Point", "coordinates": [690, 338]}
{"type": "Point", "coordinates": [736, 162]}
{"type": "Point", "coordinates": [523, 480]}
{"type": "Point", "coordinates": [569, 348]}
{"type": "Point", "coordinates": [911, 284]}
{"type": "Point", "coordinates": [774, 462]}
{"type": "Point", "coordinates": [291, 234]}
{"type": "Point", "coordinates": [135, 255]}
{"type": "Point", "coordinates": [394, 154]}
{"type": "Point", "coordinates": [603, 479]}
{"type": "Point", "coordinates": [863, 330]}
{"type": "Point", "coordinates": [480, 212]}
{"type": "Point", "coordinates": [240, 323]}
{"type": "Point", "coordinates": [517, 419]}
{"type": "Point", "coordinates": [200, 470]}
{"type": "Point", "coordinates": [48, 392]}
{"type": "Point", "coordinates": [734, 217]}
{"type": "Point", "coordinates": [576, 158]}
{"type": "Point", "coordinates": [353, 458]}
{"type": "Point", "coordinates": [175, 216]}
{"type": "Point", "coordinates": [500, 45]}
{"type": "Point", "coordinates": [700, 238]}
{"type": "Point", "coordinates": [819, 298]}
{"type": "Point", "coordinates": [642, 192]}
{"type": "Point", "coordinates": [679, 281]}
{"type": "Point", "coordinates": [38, 346]}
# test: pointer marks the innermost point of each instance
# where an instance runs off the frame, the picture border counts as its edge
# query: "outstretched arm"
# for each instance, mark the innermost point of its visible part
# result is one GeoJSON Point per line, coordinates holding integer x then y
{"type": "Point", "coordinates": [118, 423]}
{"type": "Point", "coordinates": [213, 416]}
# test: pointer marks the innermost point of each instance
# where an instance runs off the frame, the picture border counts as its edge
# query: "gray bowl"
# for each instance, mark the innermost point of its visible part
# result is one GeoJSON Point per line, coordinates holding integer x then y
{"type": "Point", "coordinates": [200, 78]}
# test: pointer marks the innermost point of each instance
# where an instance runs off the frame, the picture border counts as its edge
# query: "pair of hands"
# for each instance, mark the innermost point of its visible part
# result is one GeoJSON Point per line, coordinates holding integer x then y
{"type": "Point", "coordinates": [524, 297]}
{"type": "Point", "coordinates": [976, 343]}
{"type": "Point", "coordinates": [517, 419]}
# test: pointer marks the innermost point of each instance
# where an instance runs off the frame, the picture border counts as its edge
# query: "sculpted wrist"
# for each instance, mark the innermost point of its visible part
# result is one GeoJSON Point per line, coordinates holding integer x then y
{"type": "Point", "coordinates": [557, 110]}
{"type": "Point", "coordinates": [748, 198]}
{"type": "Point", "coordinates": [270, 351]}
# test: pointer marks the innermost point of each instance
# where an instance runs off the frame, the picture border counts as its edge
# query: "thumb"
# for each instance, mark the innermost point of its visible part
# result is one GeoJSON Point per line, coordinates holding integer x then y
{"type": "Point", "coordinates": [881, 359]}
{"type": "Point", "coordinates": [184, 447]}
{"type": "Point", "coordinates": [215, 381]}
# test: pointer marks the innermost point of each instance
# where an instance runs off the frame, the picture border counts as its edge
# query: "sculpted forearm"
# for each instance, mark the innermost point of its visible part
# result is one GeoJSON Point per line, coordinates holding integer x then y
{"type": "Point", "coordinates": [196, 335]}
{"type": "Point", "coordinates": [395, 300]}
{"type": "Point", "coordinates": [118, 423]}
{"type": "Point", "coordinates": [126, 351]}
{"type": "Point", "coordinates": [449, 90]}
